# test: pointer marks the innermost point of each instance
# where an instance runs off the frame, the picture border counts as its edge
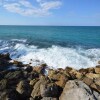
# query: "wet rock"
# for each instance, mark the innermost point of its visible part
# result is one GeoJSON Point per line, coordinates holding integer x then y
{"type": "Point", "coordinates": [24, 89]}
{"type": "Point", "coordinates": [3, 84]}
{"type": "Point", "coordinates": [18, 64]}
{"type": "Point", "coordinates": [49, 98]}
{"type": "Point", "coordinates": [5, 56]}
{"type": "Point", "coordinates": [76, 90]}
{"type": "Point", "coordinates": [49, 90]}
{"type": "Point", "coordinates": [29, 68]}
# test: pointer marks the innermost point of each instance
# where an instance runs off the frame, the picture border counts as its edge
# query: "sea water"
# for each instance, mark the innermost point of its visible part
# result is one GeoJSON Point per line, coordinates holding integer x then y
{"type": "Point", "coordinates": [57, 46]}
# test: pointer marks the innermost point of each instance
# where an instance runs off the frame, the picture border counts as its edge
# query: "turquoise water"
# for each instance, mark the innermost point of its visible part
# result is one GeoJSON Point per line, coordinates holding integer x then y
{"type": "Point", "coordinates": [45, 36]}
{"type": "Point", "coordinates": [58, 46]}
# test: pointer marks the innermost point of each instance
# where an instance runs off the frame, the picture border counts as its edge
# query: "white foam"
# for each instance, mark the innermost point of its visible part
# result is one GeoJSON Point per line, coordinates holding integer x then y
{"type": "Point", "coordinates": [57, 57]}
{"type": "Point", "coordinates": [19, 40]}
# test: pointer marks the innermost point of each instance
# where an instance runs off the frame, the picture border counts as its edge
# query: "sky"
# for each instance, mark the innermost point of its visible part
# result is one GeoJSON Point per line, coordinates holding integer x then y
{"type": "Point", "coordinates": [50, 12]}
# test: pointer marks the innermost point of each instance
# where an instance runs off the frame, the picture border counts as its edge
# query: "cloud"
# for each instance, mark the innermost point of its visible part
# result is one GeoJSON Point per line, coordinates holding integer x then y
{"type": "Point", "coordinates": [26, 8]}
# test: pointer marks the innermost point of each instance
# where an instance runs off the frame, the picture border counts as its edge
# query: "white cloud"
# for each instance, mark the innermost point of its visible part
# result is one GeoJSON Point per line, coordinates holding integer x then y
{"type": "Point", "coordinates": [24, 7]}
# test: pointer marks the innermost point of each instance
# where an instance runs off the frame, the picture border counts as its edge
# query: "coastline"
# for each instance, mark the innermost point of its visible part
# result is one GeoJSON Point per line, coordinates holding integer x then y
{"type": "Point", "coordinates": [25, 82]}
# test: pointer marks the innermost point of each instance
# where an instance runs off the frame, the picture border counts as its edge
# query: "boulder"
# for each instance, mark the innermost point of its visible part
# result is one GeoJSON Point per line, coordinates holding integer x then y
{"type": "Point", "coordinates": [24, 89]}
{"type": "Point", "coordinates": [97, 70]}
{"type": "Point", "coordinates": [92, 76]}
{"type": "Point", "coordinates": [87, 81]}
{"type": "Point", "coordinates": [96, 95]}
{"type": "Point", "coordinates": [36, 90]}
{"type": "Point", "coordinates": [76, 90]}
{"type": "Point", "coordinates": [18, 64]}
{"type": "Point", "coordinates": [40, 69]}
{"type": "Point", "coordinates": [96, 85]}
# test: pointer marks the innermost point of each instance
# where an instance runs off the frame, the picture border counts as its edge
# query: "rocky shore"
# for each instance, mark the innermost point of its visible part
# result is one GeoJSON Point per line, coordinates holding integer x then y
{"type": "Point", "coordinates": [25, 82]}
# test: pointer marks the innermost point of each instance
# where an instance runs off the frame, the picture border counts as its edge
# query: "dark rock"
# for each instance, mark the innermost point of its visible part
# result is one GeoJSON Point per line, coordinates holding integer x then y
{"type": "Point", "coordinates": [13, 75]}
{"type": "Point", "coordinates": [29, 68]}
{"type": "Point", "coordinates": [9, 95]}
{"type": "Point", "coordinates": [18, 64]}
{"type": "Point", "coordinates": [3, 84]}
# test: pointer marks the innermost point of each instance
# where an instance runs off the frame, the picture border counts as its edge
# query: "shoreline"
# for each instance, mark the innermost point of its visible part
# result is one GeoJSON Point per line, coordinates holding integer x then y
{"type": "Point", "coordinates": [32, 83]}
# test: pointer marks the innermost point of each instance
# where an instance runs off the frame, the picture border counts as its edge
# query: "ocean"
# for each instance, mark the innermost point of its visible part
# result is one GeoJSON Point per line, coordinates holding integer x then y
{"type": "Point", "coordinates": [57, 46]}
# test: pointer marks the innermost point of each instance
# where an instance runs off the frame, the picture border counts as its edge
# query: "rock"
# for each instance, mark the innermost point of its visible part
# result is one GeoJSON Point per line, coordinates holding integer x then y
{"type": "Point", "coordinates": [58, 77]}
{"type": "Point", "coordinates": [24, 89]}
{"type": "Point", "coordinates": [92, 76]}
{"type": "Point", "coordinates": [76, 90]}
{"type": "Point", "coordinates": [29, 68]}
{"type": "Point", "coordinates": [97, 70]}
{"type": "Point", "coordinates": [14, 75]}
{"type": "Point", "coordinates": [9, 95]}
{"type": "Point", "coordinates": [96, 95]}
{"type": "Point", "coordinates": [83, 71]}
{"type": "Point", "coordinates": [36, 90]}
{"type": "Point", "coordinates": [98, 62]}
{"type": "Point", "coordinates": [3, 84]}
{"type": "Point", "coordinates": [96, 85]}
{"type": "Point", "coordinates": [18, 64]}
{"type": "Point", "coordinates": [49, 98]}
{"type": "Point", "coordinates": [87, 81]}
{"type": "Point", "coordinates": [5, 56]}
{"type": "Point", "coordinates": [61, 81]}
{"type": "Point", "coordinates": [75, 74]}
{"type": "Point", "coordinates": [49, 90]}
{"type": "Point", "coordinates": [33, 82]}
{"type": "Point", "coordinates": [40, 69]}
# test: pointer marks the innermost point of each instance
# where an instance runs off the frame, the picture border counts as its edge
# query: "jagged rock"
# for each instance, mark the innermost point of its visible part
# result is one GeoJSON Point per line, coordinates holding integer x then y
{"type": "Point", "coordinates": [3, 84]}
{"type": "Point", "coordinates": [24, 89]}
{"type": "Point", "coordinates": [49, 90]}
{"type": "Point", "coordinates": [83, 71]}
{"type": "Point", "coordinates": [76, 90]}
{"type": "Point", "coordinates": [49, 98]}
